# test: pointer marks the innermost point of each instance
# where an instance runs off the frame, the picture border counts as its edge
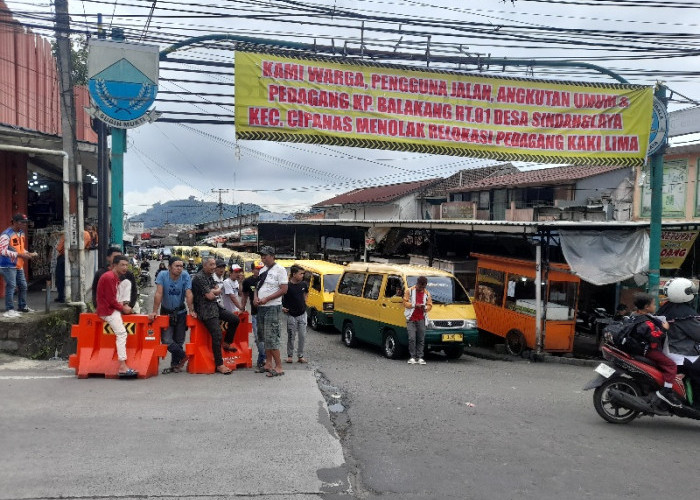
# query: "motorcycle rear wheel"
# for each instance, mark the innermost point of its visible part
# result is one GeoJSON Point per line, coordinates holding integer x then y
{"type": "Point", "coordinates": [613, 413]}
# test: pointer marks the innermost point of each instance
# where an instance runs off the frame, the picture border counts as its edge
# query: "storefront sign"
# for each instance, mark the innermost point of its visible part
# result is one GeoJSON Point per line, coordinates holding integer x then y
{"type": "Point", "coordinates": [457, 210]}
{"type": "Point", "coordinates": [384, 107]}
{"type": "Point", "coordinates": [675, 246]}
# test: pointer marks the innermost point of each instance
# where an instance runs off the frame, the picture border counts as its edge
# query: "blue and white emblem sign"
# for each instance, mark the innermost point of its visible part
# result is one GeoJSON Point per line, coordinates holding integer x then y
{"type": "Point", "coordinates": [123, 82]}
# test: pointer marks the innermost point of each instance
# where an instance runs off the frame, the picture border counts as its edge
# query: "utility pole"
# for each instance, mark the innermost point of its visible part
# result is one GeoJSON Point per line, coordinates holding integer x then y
{"type": "Point", "coordinates": [240, 222]}
{"type": "Point", "coordinates": [72, 181]}
{"type": "Point", "coordinates": [221, 205]}
{"type": "Point", "coordinates": [103, 212]}
{"type": "Point", "coordinates": [118, 150]}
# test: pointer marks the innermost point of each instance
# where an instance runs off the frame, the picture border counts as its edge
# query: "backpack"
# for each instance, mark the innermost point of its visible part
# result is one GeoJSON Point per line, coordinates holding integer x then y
{"type": "Point", "coordinates": [622, 334]}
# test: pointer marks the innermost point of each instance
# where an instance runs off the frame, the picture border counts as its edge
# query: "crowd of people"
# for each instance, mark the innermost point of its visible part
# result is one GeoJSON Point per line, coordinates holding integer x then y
{"type": "Point", "coordinates": [212, 294]}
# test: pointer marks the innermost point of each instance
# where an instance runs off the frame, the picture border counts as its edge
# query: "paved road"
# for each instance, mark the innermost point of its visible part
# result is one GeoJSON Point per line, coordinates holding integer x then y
{"type": "Point", "coordinates": [174, 436]}
{"type": "Point", "coordinates": [469, 428]}
{"type": "Point", "coordinates": [480, 429]}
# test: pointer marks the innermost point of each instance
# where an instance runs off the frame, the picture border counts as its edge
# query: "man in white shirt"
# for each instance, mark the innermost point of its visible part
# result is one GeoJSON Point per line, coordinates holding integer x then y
{"type": "Point", "coordinates": [272, 285]}
{"type": "Point", "coordinates": [231, 296]}
{"type": "Point", "coordinates": [218, 278]}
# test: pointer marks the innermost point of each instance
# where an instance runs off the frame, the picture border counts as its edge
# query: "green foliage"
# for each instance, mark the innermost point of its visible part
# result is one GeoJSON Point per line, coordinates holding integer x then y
{"type": "Point", "coordinates": [54, 331]}
{"type": "Point", "coordinates": [79, 59]}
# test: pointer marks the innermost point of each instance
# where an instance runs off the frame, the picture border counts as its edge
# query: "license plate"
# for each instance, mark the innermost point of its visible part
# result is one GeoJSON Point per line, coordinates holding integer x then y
{"type": "Point", "coordinates": [452, 337]}
{"type": "Point", "coordinates": [605, 370]}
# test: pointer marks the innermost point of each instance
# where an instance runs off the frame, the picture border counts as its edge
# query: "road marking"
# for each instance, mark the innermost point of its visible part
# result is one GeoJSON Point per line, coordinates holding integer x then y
{"type": "Point", "coordinates": [33, 377]}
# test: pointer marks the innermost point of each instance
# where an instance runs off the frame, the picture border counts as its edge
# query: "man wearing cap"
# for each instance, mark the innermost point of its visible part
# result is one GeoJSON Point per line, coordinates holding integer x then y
{"type": "Point", "coordinates": [249, 286]}
{"type": "Point", "coordinates": [205, 292]}
{"type": "Point", "coordinates": [272, 285]}
{"type": "Point", "coordinates": [13, 251]}
{"type": "Point", "coordinates": [231, 296]}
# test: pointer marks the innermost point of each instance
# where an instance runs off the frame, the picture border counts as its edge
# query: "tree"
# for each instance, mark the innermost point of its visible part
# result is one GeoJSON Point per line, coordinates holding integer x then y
{"type": "Point", "coordinates": [79, 57]}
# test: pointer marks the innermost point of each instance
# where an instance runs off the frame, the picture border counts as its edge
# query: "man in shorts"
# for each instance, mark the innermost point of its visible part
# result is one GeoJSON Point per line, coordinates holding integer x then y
{"type": "Point", "coordinates": [272, 285]}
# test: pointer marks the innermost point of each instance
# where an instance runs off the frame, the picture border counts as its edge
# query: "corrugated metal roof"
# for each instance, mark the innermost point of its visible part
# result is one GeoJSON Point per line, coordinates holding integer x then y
{"type": "Point", "coordinates": [539, 177]}
{"type": "Point", "coordinates": [29, 82]}
{"type": "Point", "coordinates": [377, 194]}
{"type": "Point", "coordinates": [467, 176]}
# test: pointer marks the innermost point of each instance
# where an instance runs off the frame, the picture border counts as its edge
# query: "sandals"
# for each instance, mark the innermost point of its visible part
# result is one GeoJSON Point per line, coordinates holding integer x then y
{"type": "Point", "coordinates": [302, 360]}
{"type": "Point", "coordinates": [273, 373]}
{"type": "Point", "coordinates": [130, 373]}
{"type": "Point", "coordinates": [289, 360]}
{"type": "Point", "coordinates": [224, 370]}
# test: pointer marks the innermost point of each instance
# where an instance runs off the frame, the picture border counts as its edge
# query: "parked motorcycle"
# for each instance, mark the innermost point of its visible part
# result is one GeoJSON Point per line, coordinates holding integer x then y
{"type": "Point", "coordinates": [593, 322]}
{"type": "Point", "coordinates": [626, 386]}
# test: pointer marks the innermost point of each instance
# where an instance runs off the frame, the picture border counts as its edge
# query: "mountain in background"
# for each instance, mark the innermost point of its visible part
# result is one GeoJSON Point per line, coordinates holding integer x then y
{"type": "Point", "coordinates": [192, 211]}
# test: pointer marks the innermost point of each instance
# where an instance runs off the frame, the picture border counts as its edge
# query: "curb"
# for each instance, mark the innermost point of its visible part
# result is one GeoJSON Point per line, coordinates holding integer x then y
{"type": "Point", "coordinates": [482, 353]}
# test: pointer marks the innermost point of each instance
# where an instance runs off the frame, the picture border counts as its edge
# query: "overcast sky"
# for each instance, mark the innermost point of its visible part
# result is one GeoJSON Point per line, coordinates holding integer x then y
{"type": "Point", "coordinates": [171, 161]}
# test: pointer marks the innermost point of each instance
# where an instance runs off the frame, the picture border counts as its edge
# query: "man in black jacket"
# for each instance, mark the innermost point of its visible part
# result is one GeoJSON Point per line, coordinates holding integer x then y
{"type": "Point", "coordinates": [111, 253]}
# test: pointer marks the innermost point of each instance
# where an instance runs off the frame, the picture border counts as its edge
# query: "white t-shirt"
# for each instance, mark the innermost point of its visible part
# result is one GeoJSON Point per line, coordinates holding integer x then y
{"type": "Point", "coordinates": [219, 283]}
{"type": "Point", "coordinates": [230, 287]}
{"type": "Point", "coordinates": [276, 276]}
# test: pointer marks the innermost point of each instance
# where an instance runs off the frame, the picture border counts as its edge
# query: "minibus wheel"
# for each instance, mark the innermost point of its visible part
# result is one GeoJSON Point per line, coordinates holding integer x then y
{"type": "Point", "coordinates": [313, 319]}
{"type": "Point", "coordinates": [392, 348]}
{"type": "Point", "coordinates": [349, 334]}
{"type": "Point", "coordinates": [515, 342]}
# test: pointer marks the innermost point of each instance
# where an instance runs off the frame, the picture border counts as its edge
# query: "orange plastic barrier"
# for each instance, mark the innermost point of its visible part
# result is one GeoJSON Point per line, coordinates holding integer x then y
{"type": "Point", "coordinates": [198, 349]}
{"type": "Point", "coordinates": [97, 348]}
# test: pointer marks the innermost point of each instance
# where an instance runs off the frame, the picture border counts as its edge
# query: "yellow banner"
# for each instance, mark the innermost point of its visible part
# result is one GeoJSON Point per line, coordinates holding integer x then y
{"type": "Point", "coordinates": [319, 101]}
{"type": "Point", "coordinates": [675, 246]}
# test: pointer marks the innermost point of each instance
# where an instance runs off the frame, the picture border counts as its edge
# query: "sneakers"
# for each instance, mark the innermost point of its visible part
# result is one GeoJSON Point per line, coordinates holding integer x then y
{"type": "Point", "coordinates": [421, 361]}
{"type": "Point", "coordinates": [668, 396]}
{"type": "Point", "coordinates": [12, 314]}
{"type": "Point", "coordinates": [412, 361]}
{"type": "Point", "coordinates": [27, 310]}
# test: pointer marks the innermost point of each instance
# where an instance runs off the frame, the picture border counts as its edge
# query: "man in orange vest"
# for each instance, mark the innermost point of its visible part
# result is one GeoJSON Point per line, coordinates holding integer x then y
{"type": "Point", "coordinates": [13, 245]}
{"type": "Point", "coordinates": [61, 264]}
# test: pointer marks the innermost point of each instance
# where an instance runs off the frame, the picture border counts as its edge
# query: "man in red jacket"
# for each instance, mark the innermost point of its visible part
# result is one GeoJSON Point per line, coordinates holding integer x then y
{"type": "Point", "coordinates": [110, 309]}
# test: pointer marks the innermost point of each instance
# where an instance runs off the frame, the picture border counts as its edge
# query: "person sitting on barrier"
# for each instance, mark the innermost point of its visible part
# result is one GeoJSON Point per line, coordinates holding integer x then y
{"type": "Point", "coordinates": [173, 289]}
{"type": "Point", "coordinates": [231, 297]}
{"type": "Point", "coordinates": [133, 292]}
{"type": "Point", "coordinates": [110, 309]}
{"type": "Point", "coordinates": [205, 293]}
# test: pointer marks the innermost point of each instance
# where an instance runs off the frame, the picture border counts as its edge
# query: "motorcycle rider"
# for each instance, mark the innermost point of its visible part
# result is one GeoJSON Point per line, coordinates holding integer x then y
{"type": "Point", "coordinates": [684, 332]}
{"type": "Point", "coordinates": [652, 332]}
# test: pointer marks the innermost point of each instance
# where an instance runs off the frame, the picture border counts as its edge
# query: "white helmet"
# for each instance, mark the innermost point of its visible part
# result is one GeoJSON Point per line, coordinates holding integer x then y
{"type": "Point", "coordinates": [680, 290]}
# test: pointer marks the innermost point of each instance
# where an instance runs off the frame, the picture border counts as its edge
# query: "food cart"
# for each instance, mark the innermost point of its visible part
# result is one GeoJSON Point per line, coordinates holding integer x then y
{"type": "Point", "coordinates": [505, 302]}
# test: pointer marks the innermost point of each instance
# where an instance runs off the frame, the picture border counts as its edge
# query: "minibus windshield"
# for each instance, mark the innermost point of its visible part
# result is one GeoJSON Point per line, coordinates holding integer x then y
{"type": "Point", "coordinates": [443, 289]}
{"type": "Point", "coordinates": [329, 282]}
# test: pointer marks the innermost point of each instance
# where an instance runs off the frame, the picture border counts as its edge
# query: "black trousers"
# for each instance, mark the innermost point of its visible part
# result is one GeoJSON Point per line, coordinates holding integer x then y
{"type": "Point", "coordinates": [214, 329]}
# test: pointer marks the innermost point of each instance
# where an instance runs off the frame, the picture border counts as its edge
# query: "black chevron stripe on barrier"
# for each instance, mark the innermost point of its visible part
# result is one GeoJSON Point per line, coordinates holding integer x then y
{"type": "Point", "coordinates": [130, 329]}
{"type": "Point", "coordinates": [436, 149]}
